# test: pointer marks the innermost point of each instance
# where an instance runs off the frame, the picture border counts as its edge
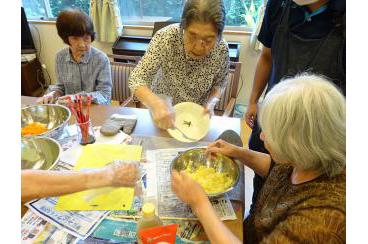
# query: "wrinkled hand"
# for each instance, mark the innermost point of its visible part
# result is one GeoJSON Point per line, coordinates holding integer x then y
{"type": "Point", "coordinates": [208, 110]}
{"type": "Point", "coordinates": [64, 100]}
{"type": "Point", "coordinates": [250, 115]}
{"type": "Point", "coordinates": [48, 98]}
{"type": "Point", "coordinates": [187, 189]}
{"type": "Point", "coordinates": [122, 173]}
{"type": "Point", "coordinates": [162, 114]}
{"type": "Point", "coordinates": [221, 146]}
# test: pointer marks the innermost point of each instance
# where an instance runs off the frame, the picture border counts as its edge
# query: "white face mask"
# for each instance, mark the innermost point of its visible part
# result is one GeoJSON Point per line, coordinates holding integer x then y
{"type": "Point", "coordinates": [304, 2]}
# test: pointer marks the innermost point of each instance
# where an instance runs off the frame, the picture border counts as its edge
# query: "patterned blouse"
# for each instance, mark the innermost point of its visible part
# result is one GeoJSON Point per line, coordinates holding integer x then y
{"type": "Point", "coordinates": [92, 75]}
{"type": "Point", "coordinates": [168, 70]}
{"type": "Point", "coordinates": [311, 212]}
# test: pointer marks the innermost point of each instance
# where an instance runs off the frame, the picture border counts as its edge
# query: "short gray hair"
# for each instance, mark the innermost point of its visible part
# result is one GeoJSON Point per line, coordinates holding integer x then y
{"type": "Point", "coordinates": [303, 120]}
{"type": "Point", "coordinates": [207, 11]}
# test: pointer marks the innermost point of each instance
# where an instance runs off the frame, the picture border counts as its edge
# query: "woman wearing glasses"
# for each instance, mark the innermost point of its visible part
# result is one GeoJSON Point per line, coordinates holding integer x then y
{"type": "Point", "coordinates": [188, 62]}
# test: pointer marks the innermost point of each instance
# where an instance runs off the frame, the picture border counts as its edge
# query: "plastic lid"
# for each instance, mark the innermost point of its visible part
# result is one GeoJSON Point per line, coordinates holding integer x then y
{"type": "Point", "coordinates": [148, 210]}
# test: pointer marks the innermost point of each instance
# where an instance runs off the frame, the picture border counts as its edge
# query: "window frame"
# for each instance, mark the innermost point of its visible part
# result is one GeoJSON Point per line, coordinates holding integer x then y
{"type": "Point", "coordinates": [133, 23]}
{"type": "Point", "coordinates": [47, 7]}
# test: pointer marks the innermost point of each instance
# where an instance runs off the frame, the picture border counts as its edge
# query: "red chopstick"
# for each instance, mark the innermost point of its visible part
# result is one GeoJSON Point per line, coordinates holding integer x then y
{"type": "Point", "coordinates": [89, 100]}
{"type": "Point", "coordinates": [76, 107]}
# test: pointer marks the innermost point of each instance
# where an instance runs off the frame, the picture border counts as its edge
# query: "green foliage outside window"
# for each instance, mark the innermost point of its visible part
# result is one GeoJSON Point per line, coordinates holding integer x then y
{"type": "Point", "coordinates": [242, 12]}
{"type": "Point", "coordinates": [238, 12]}
{"type": "Point", "coordinates": [172, 8]}
{"type": "Point", "coordinates": [58, 5]}
{"type": "Point", "coordinates": [34, 9]}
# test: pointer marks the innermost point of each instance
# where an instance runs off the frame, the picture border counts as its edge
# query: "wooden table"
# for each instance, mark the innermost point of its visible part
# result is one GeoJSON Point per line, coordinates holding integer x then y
{"type": "Point", "coordinates": [145, 126]}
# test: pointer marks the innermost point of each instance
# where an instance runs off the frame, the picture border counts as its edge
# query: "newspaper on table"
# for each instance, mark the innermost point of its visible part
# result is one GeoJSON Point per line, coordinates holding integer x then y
{"type": "Point", "coordinates": [159, 184]}
{"type": "Point", "coordinates": [155, 143]}
{"type": "Point", "coordinates": [51, 235]}
{"type": "Point", "coordinates": [125, 231]}
{"type": "Point", "coordinates": [60, 166]}
{"type": "Point", "coordinates": [77, 223]}
{"type": "Point", "coordinates": [133, 213]}
{"type": "Point", "coordinates": [67, 223]}
{"type": "Point", "coordinates": [37, 230]}
{"type": "Point", "coordinates": [32, 226]}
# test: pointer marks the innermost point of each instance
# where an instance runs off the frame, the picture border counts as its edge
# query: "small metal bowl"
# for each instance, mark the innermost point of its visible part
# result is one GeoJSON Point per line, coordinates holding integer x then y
{"type": "Point", "coordinates": [39, 152]}
{"type": "Point", "coordinates": [193, 158]}
{"type": "Point", "coordinates": [54, 116]}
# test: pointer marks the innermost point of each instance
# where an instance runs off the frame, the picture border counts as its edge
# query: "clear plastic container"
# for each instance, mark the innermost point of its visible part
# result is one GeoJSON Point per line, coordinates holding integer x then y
{"type": "Point", "coordinates": [149, 219]}
{"type": "Point", "coordinates": [85, 133]}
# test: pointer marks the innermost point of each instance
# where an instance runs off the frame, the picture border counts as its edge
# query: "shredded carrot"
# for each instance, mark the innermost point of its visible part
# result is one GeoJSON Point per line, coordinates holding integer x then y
{"type": "Point", "coordinates": [33, 129]}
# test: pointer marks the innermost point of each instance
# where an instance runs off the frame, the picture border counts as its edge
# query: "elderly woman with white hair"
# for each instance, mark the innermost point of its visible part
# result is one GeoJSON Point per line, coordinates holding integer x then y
{"type": "Point", "coordinates": [303, 199]}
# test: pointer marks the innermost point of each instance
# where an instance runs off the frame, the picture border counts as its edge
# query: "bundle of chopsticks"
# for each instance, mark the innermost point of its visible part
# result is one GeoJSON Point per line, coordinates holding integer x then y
{"type": "Point", "coordinates": [82, 118]}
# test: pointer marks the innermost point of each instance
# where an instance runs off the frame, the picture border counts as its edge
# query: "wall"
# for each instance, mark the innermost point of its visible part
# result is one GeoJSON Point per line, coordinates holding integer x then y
{"type": "Point", "coordinates": [51, 44]}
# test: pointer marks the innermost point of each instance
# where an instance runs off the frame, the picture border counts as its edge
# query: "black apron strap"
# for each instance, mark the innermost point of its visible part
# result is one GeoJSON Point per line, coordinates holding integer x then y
{"type": "Point", "coordinates": [285, 15]}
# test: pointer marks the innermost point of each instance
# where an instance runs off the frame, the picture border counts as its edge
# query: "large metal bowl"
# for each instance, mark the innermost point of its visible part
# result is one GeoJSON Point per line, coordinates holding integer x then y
{"type": "Point", "coordinates": [39, 152]}
{"type": "Point", "coordinates": [55, 116]}
{"type": "Point", "coordinates": [193, 158]}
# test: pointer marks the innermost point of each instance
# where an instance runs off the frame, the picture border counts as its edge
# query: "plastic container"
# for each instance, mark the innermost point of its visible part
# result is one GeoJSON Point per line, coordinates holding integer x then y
{"type": "Point", "coordinates": [85, 133]}
{"type": "Point", "coordinates": [149, 219]}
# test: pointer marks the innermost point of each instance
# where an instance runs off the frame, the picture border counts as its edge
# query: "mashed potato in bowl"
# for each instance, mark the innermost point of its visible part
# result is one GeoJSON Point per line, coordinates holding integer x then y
{"type": "Point", "coordinates": [217, 174]}
{"type": "Point", "coordinates": [211, 181]}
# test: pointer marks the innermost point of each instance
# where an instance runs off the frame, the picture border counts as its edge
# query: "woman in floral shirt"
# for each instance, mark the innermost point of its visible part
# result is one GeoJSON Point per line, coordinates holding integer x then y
{"type": "Point", "coordinates": [188, 62]}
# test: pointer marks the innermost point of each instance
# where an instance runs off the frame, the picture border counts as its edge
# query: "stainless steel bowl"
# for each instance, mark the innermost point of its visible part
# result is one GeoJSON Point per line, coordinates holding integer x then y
{"type": "Point", "coordinates": [39, 153]}
{"type": "Point", "coordinates": [193, 158]}
{"type": "Point", "coordinates": [56, 117]}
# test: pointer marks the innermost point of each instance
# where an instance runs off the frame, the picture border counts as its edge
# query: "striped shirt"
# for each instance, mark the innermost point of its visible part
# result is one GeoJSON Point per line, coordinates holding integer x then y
{"type": "Point", "coordinates": [92, 75]}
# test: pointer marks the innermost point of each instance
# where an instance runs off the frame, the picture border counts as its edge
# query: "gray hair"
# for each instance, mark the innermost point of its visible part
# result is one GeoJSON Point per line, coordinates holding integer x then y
{"type": "Point", "coordinates": [207, 11]}
{"type": "Point", "coordinates": [303, 120]}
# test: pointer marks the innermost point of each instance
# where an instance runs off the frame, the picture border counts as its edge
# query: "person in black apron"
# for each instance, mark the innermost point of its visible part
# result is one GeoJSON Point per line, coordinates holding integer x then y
{"type": "Point", "coordinates": [292, 54]}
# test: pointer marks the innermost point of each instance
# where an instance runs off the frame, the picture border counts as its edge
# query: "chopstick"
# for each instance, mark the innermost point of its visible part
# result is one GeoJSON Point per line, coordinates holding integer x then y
{"type": "Point", "coordinates": [89, 101]}
{"type": "Point", "coordinates": [76, 107]}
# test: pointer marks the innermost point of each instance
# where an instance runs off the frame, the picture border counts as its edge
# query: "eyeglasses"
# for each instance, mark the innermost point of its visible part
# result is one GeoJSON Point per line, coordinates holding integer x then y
{"type": "Point", "coordinates": [193, 38]}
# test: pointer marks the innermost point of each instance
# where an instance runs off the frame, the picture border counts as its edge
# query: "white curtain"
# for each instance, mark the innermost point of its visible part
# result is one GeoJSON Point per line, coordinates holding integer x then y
{"type": "Point", "coordinates": [254, 38]}
{"type": "Point", "coordinates": [106, 18]}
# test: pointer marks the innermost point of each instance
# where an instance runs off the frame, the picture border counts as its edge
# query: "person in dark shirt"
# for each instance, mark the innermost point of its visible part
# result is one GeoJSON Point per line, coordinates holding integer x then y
{"type": "Point", "coordinates": [298, 36]}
